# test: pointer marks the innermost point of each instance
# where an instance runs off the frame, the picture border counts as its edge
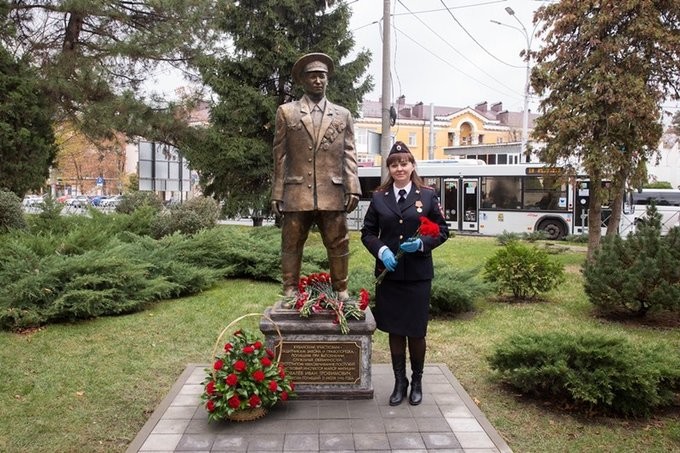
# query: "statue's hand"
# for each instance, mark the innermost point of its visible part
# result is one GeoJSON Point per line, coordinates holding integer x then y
{"type": "Point", "coordinates": [276, 207]}
{"type": "Point", "coordinates": [351, 202]}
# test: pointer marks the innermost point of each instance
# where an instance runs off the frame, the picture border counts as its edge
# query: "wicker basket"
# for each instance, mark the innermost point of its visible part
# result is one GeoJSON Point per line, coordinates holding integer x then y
{"type": "Point", "coordinates": [250, 414]}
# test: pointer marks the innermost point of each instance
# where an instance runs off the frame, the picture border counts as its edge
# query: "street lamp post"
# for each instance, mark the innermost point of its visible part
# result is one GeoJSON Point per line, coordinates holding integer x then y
{"type": "Point", "coordinates": [529, 37]}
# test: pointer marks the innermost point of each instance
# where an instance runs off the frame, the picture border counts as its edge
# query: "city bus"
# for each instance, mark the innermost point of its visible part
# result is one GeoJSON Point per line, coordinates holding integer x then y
{"type": "Point", "coordinates": [667, 202]}
{"type": "Point", "coordinates": [492, 199]}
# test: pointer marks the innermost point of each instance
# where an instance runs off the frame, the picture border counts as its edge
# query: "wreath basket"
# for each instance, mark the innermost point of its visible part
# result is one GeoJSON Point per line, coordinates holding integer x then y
{"type": "Point", "coordinates": [245, 369]}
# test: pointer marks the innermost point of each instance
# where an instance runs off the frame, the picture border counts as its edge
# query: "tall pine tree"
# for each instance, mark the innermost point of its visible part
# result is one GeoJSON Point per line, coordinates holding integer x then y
{"type": "Point", "coordinates": [233, 155]}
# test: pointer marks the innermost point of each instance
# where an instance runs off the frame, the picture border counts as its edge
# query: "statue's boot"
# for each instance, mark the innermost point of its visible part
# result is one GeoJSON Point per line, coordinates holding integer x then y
{"type": "Point", "coordinates": [290, 272]}
{"type": "Point", "coordinates": [339, 270]}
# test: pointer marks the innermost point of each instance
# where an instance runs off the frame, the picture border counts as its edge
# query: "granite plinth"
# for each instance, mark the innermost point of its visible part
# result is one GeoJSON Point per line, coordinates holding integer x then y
{"type": "Point", "coordinates": [323, 362]}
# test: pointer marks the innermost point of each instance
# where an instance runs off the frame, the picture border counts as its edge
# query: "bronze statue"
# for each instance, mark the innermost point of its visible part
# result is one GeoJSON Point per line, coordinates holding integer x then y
{"type": "Point", "coordinates": [315, 173]}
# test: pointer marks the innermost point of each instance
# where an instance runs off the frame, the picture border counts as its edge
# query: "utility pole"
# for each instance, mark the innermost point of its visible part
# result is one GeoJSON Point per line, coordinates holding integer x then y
{"type": "Point", "coordinates": [386, 136]}
{"type": "Point", "coordinates": [525, 114]}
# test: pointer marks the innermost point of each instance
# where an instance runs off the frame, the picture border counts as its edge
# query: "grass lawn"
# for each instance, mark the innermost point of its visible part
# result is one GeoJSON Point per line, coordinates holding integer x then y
{"type": "Point", "coordinates": [90, 386]}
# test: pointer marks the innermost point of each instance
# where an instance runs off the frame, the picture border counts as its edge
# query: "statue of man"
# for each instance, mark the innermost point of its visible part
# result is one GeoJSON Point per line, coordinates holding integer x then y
{"type": "Point", "coordinates": [315, 173]}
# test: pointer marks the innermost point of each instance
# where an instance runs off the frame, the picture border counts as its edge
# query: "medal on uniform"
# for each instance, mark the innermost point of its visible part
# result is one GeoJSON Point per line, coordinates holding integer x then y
{"type": "Point", "coordinates": [419, 206]}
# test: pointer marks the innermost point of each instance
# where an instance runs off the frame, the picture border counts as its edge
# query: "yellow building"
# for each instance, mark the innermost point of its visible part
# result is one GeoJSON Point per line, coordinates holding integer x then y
{"type": "Point", "coordinates": [484, 132]}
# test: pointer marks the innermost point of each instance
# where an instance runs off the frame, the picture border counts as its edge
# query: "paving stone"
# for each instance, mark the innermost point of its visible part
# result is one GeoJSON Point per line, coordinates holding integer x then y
{"type": "Point", "coordinates": [230, 442]}
{"type": "Point", "coordinates": [270, 442]}
{"type": "Point", "coordinates": [400, 425]}
{"type": "Point", "coordinates": [367, 425]}
{"type": "Point", "coordinates": [301, 442]}
{"type": "Point", "coordinates": [195, 442]}
{"type": "Point", "coordinates": [179, 412]}
{"type": "Point", "coordinates": [161, 442]}
{"type": "Point", "coordinates": [371, 441]}
{"type": "Point", "coordinates": [334, 426]}
{"type": "Point", "coordinates": [395, 411]}
{"type": "Point", "coordinates": [336, 442]}
{"type": "Point", "coordinates": [431, 424]}
{"type": "Point", "coordinates": [464, 424]}
{"type": "Point", "coordinates": [338, 410]}
{"type": "Point", "coordinates": [302, 426]}
{"type": "Point", "coordinates": [425, 411]}
{"type": "Point", "coordinates": [410, 440]}
{"type": "Point", "coordinates": [455, 410]}
{"type": "Point", "coordinates": [170, 426]}
{"type": "Point", "coordinates": [474, 440]}
{"type": "Point", "coordinates": [440, 440]}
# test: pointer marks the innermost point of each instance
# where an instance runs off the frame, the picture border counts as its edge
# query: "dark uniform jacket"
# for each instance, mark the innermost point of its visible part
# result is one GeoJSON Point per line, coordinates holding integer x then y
{"type": "Point", "coordinates": [388, 224]}
{"type": "Point", "coordinates": [314, 174]}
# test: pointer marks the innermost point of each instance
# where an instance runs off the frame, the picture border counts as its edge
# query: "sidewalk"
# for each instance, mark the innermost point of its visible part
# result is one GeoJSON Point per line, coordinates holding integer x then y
{"type": "Point", "coordinates": [446, 421]}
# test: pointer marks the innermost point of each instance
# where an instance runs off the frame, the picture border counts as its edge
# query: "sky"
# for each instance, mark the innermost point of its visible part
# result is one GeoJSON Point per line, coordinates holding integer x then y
{"type": "Point", "coordinates": [448, 52]}
{"type": "Point", "coordinates": [445, 52]}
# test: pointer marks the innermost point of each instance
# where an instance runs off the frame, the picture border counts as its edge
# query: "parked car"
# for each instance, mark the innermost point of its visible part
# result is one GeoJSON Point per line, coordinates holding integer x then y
{"type": "Point", "coordinates": [81, 201]}
{"type": "Point", "coordinates": [30, 201]}
{"type": "Point", "coordinates": [111, 202]}
{"type": "Point", "coordinates": [97, 200]}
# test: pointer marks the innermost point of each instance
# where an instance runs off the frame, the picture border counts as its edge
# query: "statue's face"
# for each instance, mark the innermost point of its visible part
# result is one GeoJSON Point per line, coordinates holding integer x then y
{"type": "Point", "coordinates": [314, 83]}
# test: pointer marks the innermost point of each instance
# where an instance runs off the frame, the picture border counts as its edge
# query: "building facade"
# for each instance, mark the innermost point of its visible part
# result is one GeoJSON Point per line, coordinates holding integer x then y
{"type": "Point", "coordinates": [486, 132]}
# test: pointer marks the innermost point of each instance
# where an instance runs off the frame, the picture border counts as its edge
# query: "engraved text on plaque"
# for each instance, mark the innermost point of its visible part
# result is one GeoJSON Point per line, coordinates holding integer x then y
{"type": "Point", "coordinates": [334, 362]}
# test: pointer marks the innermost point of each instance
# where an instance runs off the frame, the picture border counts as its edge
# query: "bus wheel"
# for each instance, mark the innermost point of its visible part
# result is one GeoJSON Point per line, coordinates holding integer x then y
{"type": "Point", "coordinates": [553, 229]}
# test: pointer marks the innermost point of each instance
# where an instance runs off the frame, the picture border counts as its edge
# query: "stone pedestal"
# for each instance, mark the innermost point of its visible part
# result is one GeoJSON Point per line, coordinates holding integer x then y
{"type": "Point", "coordinates": [323, 362]}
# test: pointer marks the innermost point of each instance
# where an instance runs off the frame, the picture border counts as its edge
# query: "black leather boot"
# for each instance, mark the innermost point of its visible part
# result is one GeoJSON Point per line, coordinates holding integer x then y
{"type": "Point", "coordinates": [400, 381]}
{"type": "Point", "coordinates": [416, 396]}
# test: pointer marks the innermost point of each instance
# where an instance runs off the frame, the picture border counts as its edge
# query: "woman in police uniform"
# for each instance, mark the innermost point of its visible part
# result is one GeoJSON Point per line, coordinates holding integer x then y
{"type": "Point", "coordinates": [403, 296]}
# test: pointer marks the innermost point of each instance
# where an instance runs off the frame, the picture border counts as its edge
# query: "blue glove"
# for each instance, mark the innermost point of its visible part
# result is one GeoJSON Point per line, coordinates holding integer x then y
{"type": "Point", "coordinates": [389, 260]}
{"type": "Point", "coordinates": [411, 245]}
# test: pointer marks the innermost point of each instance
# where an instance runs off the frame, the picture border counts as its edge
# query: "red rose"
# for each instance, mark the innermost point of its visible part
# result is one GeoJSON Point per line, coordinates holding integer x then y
{"type": "Point", "coordinates": [240, 366]}
{"type": "Point", "coordinates": [228, 347]}
{"type": "Point", "coordinates": [284, 396]}
{"type": "Point", "coordinates": [281, 373]}
{"type": "Point", "coordinates": [273, 386]}
{"type": "Point", "coordinates": [257, 344]}
{"type": "Point", "coordinates": [210, 388]}
{"type": "Point", "coordinates": [428, 227]}
{"type": "Point", "coordinates": [248, 350]}
{"type": "Point", "coordinates": [234, 402]}
{"type": "Point", "coordinates": [265, 361]}
{"type": "Point", "coordinates": [258, 376]}
{"type": "Point", "coordinates": [292, 385]}
{"type": "Point", "coordinates": [210, 406]}
{"type": "Point", "coordinates": [270, 353]}
{"type": "Point", "coordinates": [364, 299]}
{"type": "Point", "coordinates": [254, 401]}
{"type": "Point", "coordinates": [231, 380]}
{"type": "Point", "coordinates": [219, 363]}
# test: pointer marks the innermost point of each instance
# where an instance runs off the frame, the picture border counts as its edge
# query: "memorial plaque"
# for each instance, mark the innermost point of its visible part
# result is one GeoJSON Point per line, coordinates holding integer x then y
{"type": "Point", "coordinates": [327, 362]}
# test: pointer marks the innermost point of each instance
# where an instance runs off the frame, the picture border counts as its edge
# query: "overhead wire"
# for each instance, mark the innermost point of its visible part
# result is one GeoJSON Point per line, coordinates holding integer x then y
{"type": "Point", "coordinates": [452, 66]}
{"type": "Point", "coordinates": [454, 49]}
{"type": "Point", "coordinates": [475, 40]}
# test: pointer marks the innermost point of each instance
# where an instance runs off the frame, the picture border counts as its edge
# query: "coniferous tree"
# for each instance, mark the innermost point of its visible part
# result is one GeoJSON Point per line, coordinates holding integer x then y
{"type": "Point", "coordinates": [27, 146]}
{"type": "Point", "coordinates": [233, 155]}
{"type": "Point", "coordinates": [638, 274]}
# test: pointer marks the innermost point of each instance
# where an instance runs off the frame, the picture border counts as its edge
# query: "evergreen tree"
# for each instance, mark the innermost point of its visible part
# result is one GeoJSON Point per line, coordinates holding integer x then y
{"type": "Point", "coordinates": [605, 69]}
{"type": "Point", "coordinates": [95, 55]}
{"type": "Point", "coordinates": [638, 274]}
{"type": "Point", "coordinates": [234, 155]}
{"type": "Point", "coordinates": [27, 147]}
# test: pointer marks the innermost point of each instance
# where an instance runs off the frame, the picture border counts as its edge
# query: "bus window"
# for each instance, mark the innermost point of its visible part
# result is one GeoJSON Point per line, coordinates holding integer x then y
{"type": "Point", "coordinates": [544, 194]}
{"type": "Point", "coordinates": [435, 183]}
{"type": "Point", "coordinates": [501, 192]}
